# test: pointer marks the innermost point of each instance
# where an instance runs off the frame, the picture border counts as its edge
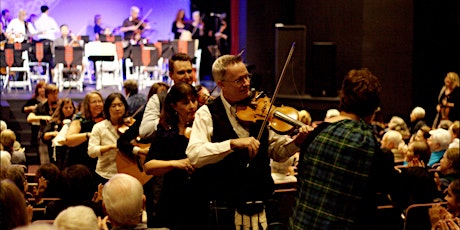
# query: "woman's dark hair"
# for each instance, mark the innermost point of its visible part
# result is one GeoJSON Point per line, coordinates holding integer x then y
{"type": "Point", "coordinates": [360, 93]}
{"type": "Point", "coordinates": [12, 206]}
{"type": "Point", "coordinates": [59, 117]}
{"type": "Point", "coordinates": [154, 89]}
{"type": "Point", "coordinates": [179, 92]}
{"type": "Point", "coordinates": [455, 187]}
{"type": "Point", "coordinates": [110, 99]}
{"type": "Point", "coordinates": [77, 183]}
{"type": "Point", "coordinates": [51, 173]}
{"type": "Point", "coordinates": [40, 84]}
{"type": "Point", "coordinates": [422, 150]}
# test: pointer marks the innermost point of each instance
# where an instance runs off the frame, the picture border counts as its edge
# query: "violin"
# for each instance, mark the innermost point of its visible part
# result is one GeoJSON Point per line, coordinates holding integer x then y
{"type": "Point", "coordinates": [283, 119]}
{"type": "Point", "coordinates": [127, 122]}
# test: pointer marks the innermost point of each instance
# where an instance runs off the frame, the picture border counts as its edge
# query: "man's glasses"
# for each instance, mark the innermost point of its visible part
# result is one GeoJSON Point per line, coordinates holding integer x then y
{"type": "Point", "coordinates": [240, 81]}
{"type": "Point", "coordinates": [181, 72]}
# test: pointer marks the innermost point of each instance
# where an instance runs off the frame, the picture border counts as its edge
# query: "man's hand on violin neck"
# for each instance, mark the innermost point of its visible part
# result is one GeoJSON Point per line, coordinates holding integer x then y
{"type": "Point", "coordinates": [249, 143]}
{"type": "Point", "coordinates": [302, 134]}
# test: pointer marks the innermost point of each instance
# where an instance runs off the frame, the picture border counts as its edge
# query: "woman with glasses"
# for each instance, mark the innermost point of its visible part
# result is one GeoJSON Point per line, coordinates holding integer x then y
{"type": "Point", "coordinates": [104, 135]}
{"type": "Point", "coordinates": [80, 130]}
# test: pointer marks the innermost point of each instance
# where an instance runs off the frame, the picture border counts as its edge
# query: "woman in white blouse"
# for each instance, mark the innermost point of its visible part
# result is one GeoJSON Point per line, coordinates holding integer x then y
{"type": "Point", "coordinates": [103, 140]}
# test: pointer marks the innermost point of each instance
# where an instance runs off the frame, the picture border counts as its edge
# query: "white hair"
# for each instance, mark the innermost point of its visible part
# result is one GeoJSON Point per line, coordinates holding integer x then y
{"type": "Point", "coordinates": [5, 159]}
{"type": "Point", "coordinates": [392, 137]}
{"type": "Point", "coordinates": [76, 218]}
{"type": "Point", "coordinates": [418, 112]}
{"type": "Point", "coordinates": [135, 9]}
{"type": "Point", "coordinates": [3, 125]}
{"type": "Point", "coordinates": [332, 113]}
{"type": "Point", "coordinates": [441, 137]}
{"type": "Point", "coordinates": [123, 199]}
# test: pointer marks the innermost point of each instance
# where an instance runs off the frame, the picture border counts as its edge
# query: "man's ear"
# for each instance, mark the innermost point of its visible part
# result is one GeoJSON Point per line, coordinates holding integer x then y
{"type": "Point", "coordinates": [219, 83]}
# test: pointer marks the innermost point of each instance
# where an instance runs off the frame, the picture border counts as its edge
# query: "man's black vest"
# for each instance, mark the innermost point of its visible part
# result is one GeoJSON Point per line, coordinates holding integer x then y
{"type": "Point", "coordinates": [236, 178]}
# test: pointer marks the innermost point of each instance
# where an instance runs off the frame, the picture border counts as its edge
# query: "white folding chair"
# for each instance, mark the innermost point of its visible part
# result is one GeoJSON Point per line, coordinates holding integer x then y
{"type": "Point", "coordinates": [24, 82]}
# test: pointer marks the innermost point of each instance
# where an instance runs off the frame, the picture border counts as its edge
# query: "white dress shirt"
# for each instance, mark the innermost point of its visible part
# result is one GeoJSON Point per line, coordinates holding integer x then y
{"type": "Point", "coordinates": [47, 27]}
{"type": "Point", "coordinates": [151, 117]}
{"type": "Point", "coordinates": [104, 133]}
{"type": "Point", "coordinates": [17, 27]}
{"type": "Point", "coordinates": [201, 151]}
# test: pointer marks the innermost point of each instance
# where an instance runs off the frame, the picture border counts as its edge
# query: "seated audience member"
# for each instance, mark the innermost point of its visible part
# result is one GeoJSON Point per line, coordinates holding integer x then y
{"type": "Point", "coordinates": [442, 218]}
{"type": "Point", "coordinates": [449, 168]}
{"type": "Point", "coordinates": [418, 154]}
{"type": "Point", "coordinates": [398, 124]}
{"type": "Point", "coordinates": [5, 159]}
{"type": "Point", "coordinates": [48, 175]}
{"type": "Point", "coordinates": [76, 218]}
{"type": "Point", "coordinates": [305, 117]}
{"type": "Point", "coordinates": [454, 132]}
{"type": "Point", "coordinates": [422, 134]}
{"type": "Point", "coordinates": [331, 113]}
{"type": "Point", "coordinates": [124, 211]}
{"type": "Point", "coordinates": [282, 172]}
{"type": "Point", "coordinates": [438, 141]}
{"type": "Point", "coordinates": [203, 95]}
{"type": "Point", "coordinates": [417, 121]}
{"type": "Point", "coordinates": [77, 188]}
{"type": "Point", "coordinates": [3, 125]}
{"type": "Point", "coordinates": [16, 173]}
{"type": "Point", "coordinates": [393, 141]}
{"type": "Point", "coordinates": [14, 212]}
{"type": "Point", "coordinates": [444, 124]}
{"type": "Point", "coordinates": [133, 97]}
{"type": "Point", "coordinates": [7, 141]}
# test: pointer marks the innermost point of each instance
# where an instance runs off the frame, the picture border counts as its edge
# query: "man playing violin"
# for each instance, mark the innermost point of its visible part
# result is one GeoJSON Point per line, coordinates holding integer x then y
{"type": "Point", "coordinates": [132, 24]}
{"type": "Point", "coordinates": [232, 167]}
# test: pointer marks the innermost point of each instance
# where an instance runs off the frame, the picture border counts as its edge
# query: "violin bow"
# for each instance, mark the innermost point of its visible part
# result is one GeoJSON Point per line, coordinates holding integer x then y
{"type": "Point", "coordinates": [143, 18]}
{"type": "Point", "coordinates": [283, 73]}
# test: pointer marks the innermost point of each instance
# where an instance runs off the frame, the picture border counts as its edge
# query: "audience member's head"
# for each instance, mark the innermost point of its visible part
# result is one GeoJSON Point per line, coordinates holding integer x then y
{"type": "Point", "coordinates": [360, 93]}
{"type": "Point", "coordinates": [398, 124]}
{"type": "Point", "coordinates": [392, 140]}
{"type": "Point", "coordinates": [76, 218]}
{"type": "Point", "coordinates": [157, 88]}
{"type": "Point", "coordinates": [7, 139]}
{"type": "Point", "coordinates": [454, 129]}
{"type": "Point", "coordinates": [305, 117]}
{"type": "Point", "coordinates": [422, 134]}
{"type": "Point", "coordinates": [450, 162]}
{"type": "Point", "coordinates": [453, 197]}
{"type": "Point", "coordinates": [3, 125]}
{"type": "Point", "coordinates": [77, 183]}
{"type": "Point", "coordinates": [331, 113]}
{"type": "Point", "coordinates": [417, 114]}
{"type": "Point", "coordinates": [51, 173]}
{"type": "Point", "coordinates": [123, 210]}
{"type": "Point", "coordinates": [180, 68]}
{"type": "Point", "coordinates": [131, 87]}
{"type": "Point", "coordinates": [444, 124]}
{"type": "Point", "coordinates": [12, 206]}
{"type": "Point", "coordinates": [418, 150]}
{"type": "Point", "coordinates": [16, 173]}
{"type": "Point", "coordinates": [439, 140]}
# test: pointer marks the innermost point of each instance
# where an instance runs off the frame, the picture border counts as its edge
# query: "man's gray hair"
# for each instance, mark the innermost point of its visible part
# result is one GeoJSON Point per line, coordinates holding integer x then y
{"type": "Point", "coordinates": [76, 218]}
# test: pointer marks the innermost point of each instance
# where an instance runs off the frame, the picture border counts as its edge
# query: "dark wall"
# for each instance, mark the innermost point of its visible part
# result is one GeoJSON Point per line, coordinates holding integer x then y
{"type": "Point", "coordinates": [368, 33]}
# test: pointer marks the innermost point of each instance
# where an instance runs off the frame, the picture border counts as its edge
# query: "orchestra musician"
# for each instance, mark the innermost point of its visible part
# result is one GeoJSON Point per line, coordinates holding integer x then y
{"type": "Point", "coordinates": [18, 29]}
{"type": "Point", "coordinates": [66, 38]}
{"type": "Point", "coordinates": [133, 23]}
{"type": "Point", "coordinates": [232, 166]}
{"type": "Point", "coordinates": [180, 25]}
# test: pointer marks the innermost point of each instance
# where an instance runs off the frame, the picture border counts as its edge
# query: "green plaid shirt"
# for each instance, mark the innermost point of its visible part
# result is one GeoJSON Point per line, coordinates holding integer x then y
{"type": "Point", "coordinates": [334, 176]}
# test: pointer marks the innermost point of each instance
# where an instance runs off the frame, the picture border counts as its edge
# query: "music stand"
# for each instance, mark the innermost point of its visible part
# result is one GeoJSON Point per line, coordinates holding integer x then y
{"type": "Point", "coordinates": [59, 56]}
{"type": "Point", "coordinates": [136, 55]}
{"type": "Point", "coordinates": [108, 38]}
{"type": "Point", "coordinates": [18, 61]}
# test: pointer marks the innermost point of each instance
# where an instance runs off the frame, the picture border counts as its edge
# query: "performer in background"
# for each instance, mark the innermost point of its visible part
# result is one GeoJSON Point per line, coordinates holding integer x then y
{"type": "Point", "coordinates": [46, 25]}
{"type": "Point", "coordinates": [179, 25]}
{"type": "Point", "coordinates": [6, 18]}
{"type": "Point", "coordinates": [197, 25]}
{"type": "Point", "coordinates": [18, 29]}
{"type": "Point", "coordinates": [133, 23]}
{"type": "Point", "coordinates": [448, 99]}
